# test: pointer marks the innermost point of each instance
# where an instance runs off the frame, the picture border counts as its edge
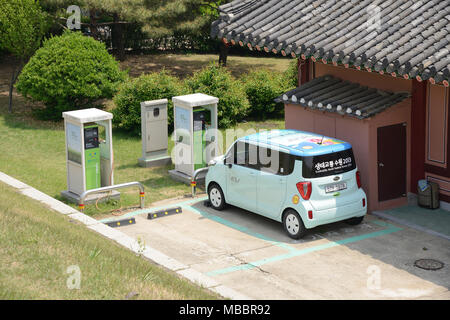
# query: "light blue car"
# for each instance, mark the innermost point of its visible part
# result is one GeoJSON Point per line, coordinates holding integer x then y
{"type": "Point", "coordinates": [298, 178]}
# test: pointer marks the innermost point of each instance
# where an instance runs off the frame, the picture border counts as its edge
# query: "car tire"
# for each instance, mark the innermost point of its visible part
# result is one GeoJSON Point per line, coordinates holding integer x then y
{"type": "Point", "coordinates": [216, 197]}
{"type": "Point", "coordinates": [354, 221]}
{"type": "Point", "coordinates": [293, 224]}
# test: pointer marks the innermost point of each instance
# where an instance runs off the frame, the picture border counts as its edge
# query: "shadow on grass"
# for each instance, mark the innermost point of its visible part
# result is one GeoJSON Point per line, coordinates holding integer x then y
{"type": "Point", "coordinates": [185, 65]}
{"type": "Point", "coordinates": [22, 115]}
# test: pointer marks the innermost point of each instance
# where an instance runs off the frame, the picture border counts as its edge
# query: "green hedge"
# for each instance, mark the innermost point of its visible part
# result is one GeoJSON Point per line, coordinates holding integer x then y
{"type": "Point", "coordinates": [262, 87]}
{"type": "Point", "coordinates": [251, 96]}
{"type": "Point", "coordinates": [218, 82]}
{"type": "Point", "coordinates": [153, 86]}
{"type": "Point", "coordinates": [69, 72]}
{"type": "Point", "coordinates": [291, 74]}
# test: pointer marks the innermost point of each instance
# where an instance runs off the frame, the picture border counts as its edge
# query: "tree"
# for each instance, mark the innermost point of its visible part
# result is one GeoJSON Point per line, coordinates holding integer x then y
{"type": "Point", "coordinates": [69, 72]}
{"type": "Point", "coordinates": [22, 27]}
{"type": "Point", "coordinates": [158, 18]}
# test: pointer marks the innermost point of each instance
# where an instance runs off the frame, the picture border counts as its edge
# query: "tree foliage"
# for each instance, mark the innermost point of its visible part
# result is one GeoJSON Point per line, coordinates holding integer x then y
{"type": "Point", "coordinates": [262, 87]}
{"type": "Point", "coordinates": [157, 18]}
{"type": "Point", "coordinates": [217, 81]}
{"type": "Point", "coordinates": [70, 72]}
{"type": "Point", "coordinates": [153, 86]}
{"type": "Point", "coordinates": [22, 26]}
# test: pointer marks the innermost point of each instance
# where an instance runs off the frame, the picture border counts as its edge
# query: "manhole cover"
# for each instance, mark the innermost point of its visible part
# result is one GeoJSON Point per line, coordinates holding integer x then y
{"type": "Point", "coordinates": [429, 264]}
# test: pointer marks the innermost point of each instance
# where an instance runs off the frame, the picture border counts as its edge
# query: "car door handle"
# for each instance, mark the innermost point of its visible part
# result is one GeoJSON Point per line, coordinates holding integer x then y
{"type": "Point", "coordinates": [381, 164]}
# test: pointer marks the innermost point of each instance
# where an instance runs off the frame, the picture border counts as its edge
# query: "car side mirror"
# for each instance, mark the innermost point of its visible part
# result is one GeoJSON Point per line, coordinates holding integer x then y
{"type": "Point", "coordinates": [228, 162]}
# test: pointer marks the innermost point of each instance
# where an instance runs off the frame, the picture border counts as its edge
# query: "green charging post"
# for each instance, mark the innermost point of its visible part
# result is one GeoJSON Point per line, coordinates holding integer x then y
{"type": "Point", "coordinates": [89, 154]}
{"type": "Point", "coordinates": [195, 134]}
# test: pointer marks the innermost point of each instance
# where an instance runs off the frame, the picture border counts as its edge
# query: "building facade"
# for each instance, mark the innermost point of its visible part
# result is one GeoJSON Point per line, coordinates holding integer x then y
{"type": "Point", "coordinates": [373, 73]}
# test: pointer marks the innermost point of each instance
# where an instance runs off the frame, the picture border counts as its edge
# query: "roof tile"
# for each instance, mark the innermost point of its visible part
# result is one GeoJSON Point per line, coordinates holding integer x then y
{"type": "Point", "coordinates": [412, 38]}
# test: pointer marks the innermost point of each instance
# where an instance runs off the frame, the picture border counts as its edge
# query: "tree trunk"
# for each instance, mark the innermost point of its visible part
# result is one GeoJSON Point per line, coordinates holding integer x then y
{"type": "Point", "coordinates": [117, 39]}
{"type": "Point", "coordinates": [14, 76]}
{"type": "Point", "coordinates": [11, 86]}
{"type": "Point", "coordinates": [93, 24]}
{"type": "Point", "coordinates": [223, 54]}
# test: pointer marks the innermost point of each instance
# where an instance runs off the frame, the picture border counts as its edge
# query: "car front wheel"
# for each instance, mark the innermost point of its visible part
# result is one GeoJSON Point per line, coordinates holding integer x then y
{"type": "Point", "coordinates": [216, 197]}
{"type": "Point", "coordinates": [293, 224]}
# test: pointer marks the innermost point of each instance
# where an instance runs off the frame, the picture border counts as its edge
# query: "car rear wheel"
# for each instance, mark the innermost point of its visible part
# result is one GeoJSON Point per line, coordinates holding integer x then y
{"type": "Point", "coordinates": [216, 197]}
{"type": "Point", "coordinates": [293, 224]}
{"type": "Point", "coordinates": [354, 221]}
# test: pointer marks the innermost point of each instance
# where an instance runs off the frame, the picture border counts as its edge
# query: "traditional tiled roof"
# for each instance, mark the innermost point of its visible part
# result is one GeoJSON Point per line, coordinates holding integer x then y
{"type": "Point", "coordinates": [335, 95]}
{"type": "Point", "coordinates": [409, 38]}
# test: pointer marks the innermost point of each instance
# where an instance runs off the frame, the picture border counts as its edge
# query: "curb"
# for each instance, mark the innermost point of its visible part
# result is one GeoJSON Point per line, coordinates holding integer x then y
{"type": "Point", "coordinates": [124, 240]}
{"type": "Point", "coordinates": [383, 215]}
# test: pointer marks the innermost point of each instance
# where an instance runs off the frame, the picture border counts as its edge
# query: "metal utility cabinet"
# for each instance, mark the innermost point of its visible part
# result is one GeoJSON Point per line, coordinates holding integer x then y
{"type": "Point", "coordinates": [89, 154]}
{"type": "Point", "coordinates": [196, 142]}
{"type": "Point", "coordinates": [154, 134]}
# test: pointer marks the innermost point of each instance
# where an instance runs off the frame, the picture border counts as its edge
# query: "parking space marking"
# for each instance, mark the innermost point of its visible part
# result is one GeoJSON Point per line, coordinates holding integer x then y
{"type": "Point", "coordinates": [240, 228]}
{"type": "Point", "coordinates": [292, 251]}
{"type": "Point", "coordinates": [390, 229]}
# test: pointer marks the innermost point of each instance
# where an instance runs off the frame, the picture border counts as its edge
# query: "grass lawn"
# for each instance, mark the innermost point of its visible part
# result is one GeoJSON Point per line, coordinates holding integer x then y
{"type": "Point", "coordinates": [37, 246]}
{"type": "Point", "coordinates": [34, 151]}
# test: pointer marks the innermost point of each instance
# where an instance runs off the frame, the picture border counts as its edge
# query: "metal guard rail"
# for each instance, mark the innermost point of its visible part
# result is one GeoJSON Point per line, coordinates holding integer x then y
{"type": "Point", "coordinates": [108, 188]}
{"type": "Point", "coordinates": [194, 180]}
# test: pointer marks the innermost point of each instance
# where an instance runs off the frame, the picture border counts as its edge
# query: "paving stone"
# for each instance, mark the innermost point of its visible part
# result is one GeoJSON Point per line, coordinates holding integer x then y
{"type": "Point", "coordinates": [198, 277]}
{"type": "Point", "coordinates": [12, 182]}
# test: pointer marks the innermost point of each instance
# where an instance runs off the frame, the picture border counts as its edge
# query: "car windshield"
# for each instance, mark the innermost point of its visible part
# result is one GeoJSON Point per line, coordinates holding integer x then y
{"type": "Point", "coordinates": [328, 164]}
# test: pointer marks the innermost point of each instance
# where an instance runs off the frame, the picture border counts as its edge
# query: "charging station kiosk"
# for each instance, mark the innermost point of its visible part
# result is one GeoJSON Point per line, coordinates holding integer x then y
{"type": "Point", "coordinates": [195, 134]}
{"type": "Point", "coordinates": [154, 134]}
{"type": "Point", "coordinates": [89, 154]}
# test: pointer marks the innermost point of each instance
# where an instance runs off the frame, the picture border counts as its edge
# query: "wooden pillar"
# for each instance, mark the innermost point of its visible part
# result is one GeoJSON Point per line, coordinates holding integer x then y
{"type": "Point", "coordinates": [303, 71]}
{"type": "Point", "coordinates": [418, 132]}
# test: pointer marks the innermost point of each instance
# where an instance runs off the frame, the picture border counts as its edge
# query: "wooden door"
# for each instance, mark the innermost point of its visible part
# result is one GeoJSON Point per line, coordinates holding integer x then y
{"type": "Point", "coordinates": [391, 162]}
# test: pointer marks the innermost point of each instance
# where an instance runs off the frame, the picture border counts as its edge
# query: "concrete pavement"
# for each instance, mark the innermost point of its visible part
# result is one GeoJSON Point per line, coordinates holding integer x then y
{"type": "Point", "coordinates": [252, 255]}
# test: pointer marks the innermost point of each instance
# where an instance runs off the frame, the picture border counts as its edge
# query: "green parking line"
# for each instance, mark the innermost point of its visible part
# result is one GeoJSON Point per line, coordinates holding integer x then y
{"type": "Point", "coordinates": [293, 252]}
{"type": "Point", "coordinates": [240, 228]}
{"type": "Point", "coordinates": [301, 252]}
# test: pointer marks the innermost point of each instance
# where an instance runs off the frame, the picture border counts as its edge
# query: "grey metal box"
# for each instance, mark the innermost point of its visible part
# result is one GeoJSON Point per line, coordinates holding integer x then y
{"type": "Point", "coordinates": [154, 133]}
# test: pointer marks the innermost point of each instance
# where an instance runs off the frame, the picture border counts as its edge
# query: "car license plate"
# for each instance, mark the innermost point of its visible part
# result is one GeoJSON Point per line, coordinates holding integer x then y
{"type": "Point", "coordinates": [335, 187]}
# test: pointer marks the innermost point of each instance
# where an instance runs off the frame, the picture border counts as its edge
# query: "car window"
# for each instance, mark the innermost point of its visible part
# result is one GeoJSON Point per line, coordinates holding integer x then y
{"type": "Point", "coordinates": [243, 154]}
{"type": "Point", "coordinates": [275, 162]}
{"type": "Point", "coordinates": [328, 164]}
{"type": "Point", "coordinates": [261, 158]}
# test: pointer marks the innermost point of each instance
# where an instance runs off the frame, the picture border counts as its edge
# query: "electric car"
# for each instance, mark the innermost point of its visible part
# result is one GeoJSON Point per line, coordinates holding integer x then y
{"type": "Point", "coordinates": [300, 179]}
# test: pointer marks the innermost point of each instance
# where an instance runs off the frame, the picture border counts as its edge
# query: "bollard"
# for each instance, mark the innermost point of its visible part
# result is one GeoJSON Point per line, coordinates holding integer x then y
{"type": "Point", "coordinates": [193, 188]}
{"type": "Point", "coordinates": [142, 199]}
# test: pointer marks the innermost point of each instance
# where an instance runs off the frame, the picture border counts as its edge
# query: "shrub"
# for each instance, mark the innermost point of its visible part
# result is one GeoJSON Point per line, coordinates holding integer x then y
{"type": "Point", "coordinates": [291, 73]}
{"type": "Point", "coordinates": [261, 88]}
{"type": "Point", "coordinates": [218, 82]}
{"type": "Point", "coordinates": [127, 110]}
{"type": "Point", "coordinates": [69, 72]}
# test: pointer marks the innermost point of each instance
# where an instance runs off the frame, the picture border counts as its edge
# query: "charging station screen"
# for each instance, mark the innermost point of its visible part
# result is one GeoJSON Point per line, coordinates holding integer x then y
{"type": "Point", "coordinates": [91, 138]}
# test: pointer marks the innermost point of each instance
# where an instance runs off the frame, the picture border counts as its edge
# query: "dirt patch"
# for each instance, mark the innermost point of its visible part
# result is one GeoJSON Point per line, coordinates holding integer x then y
{"type": "Point", "coordinates": [184, 65]}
